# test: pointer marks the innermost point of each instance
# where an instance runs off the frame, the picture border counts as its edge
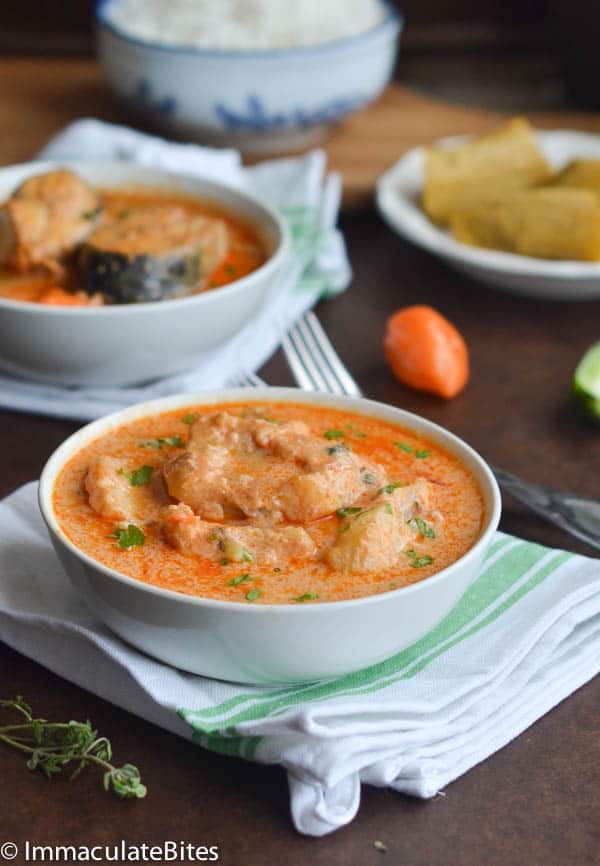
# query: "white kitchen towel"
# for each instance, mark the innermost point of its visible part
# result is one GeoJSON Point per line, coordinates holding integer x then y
{"type": "Point", "coordinates": [524, 636]}
{"type": "Point", "coordinates": [299, 187]}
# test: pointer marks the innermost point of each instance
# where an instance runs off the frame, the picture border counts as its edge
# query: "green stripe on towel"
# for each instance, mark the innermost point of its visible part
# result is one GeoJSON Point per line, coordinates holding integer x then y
{"type": "Point", "coordinates": [498, 578]}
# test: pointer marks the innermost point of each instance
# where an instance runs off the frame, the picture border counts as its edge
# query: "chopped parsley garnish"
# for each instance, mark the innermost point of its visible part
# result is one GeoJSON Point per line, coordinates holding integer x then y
{"type": "Point", "coordinates": [404, 447]}
{"type": "Point", "coordinates": [130, 537]}
{"type": "Point", "coordinates": [345, 527]}
{"type": "Point", "coordinates": [189, 419]}
{"type": "Point", "coordinates": [388, 508]}
{"type": "Point", "coordinates": [246, 556]}
{"type": "Point", "coordinates": [421, 455]}
{"type": "Point", "coordinates": [90, 214]}
{"type": "Point", "coordinates": [368, 478]}
{"type": "Point", "coordinates": [419, 561]}
{"type": "Point", "coordinates": [355, 431]}
{"type": "Point", "coordinates": [389, 488]}
{"type": "Point", "coordinates": [138, 477]}
{"type": "Point", "coordinates": [224, 562]}
{"type": "Point", "coordinates": [338, 449]}
{"type": "Point", "coordinates": [424, 528]}
{"type": "Point", "coordinates": [346, 512]}
{"type": "Point", "coordinates": [165, 442]}
{"type": "Point", "coordinates": [253, 595]}
{"type": "Point", "coordinates": [334, 434]}
{"type": "Point", "coordinates": [308, 596]}
{"type": "Point", "coordinates": [241, 578]}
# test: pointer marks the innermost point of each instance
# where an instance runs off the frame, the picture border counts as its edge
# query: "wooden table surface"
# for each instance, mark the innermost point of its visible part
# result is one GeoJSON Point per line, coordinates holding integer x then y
{"type": "Point", "coordinates": [536, 801]}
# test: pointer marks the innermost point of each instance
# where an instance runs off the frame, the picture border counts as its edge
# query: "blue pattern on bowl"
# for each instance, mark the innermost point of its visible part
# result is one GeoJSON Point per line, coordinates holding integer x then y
{"type": "Point", "coordinates": [256, 115]}
{"type": "Point", "coordinates": [146, 99]}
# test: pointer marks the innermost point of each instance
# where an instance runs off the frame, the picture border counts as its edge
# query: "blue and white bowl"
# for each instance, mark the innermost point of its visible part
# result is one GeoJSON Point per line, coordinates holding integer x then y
{"type": "Point", "coordinates": [261, 101]}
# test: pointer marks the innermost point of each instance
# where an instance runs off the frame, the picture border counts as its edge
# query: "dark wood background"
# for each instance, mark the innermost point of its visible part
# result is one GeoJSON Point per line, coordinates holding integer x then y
{"type": "Point", "coordinates": [66, 25]}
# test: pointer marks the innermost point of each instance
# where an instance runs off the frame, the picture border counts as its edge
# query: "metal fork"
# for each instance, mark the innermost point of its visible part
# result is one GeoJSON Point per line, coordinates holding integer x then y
{"type": "Point", "coordinates": [316, 366]}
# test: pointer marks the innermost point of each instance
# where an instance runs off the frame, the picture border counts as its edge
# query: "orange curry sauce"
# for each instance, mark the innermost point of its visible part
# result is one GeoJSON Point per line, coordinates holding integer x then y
{"type": "Point", "coordinates": [403, 456]}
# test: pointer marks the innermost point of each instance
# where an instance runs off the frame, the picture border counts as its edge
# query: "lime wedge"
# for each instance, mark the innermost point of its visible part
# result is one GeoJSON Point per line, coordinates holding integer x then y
{"type": "Point", "coordinates": [586, 382]}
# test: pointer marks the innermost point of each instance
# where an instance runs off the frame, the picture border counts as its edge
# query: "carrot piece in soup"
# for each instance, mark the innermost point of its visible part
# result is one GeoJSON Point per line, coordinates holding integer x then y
{"type": "Point", "coordinates": [426, 352]}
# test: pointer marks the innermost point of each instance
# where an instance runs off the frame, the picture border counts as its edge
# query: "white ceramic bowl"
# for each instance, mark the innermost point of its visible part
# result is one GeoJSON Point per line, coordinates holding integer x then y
{"type": "Point", "coordinates": [263, 101]}
{"type": "Point", "coordinates": [398, 195]}
{"type": "Point", "coordinates": [129, 343]}
{"type": "Point", "coordinates": [268, 643]}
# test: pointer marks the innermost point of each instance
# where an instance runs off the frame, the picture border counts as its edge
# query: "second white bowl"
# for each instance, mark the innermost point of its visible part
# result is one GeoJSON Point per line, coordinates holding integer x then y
{"type": "Point", "coordinates": [129, 343]}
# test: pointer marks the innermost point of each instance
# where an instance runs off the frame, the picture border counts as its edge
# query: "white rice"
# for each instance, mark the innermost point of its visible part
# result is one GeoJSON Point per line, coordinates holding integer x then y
{"type": "Point", "coordinates": [245, 25]}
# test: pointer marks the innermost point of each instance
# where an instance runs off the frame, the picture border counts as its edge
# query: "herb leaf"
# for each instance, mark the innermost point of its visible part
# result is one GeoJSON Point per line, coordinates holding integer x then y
{"type": "Point", "coordinates": [189, 419]}
{"type": "Point", "coordinates": [166, 442]}
{"type": "Point", "coordinates": [130, 537]}
{"type": "Point", "coordinates": [421, 455]}
{"type": "Point", "coordinates": [241, 578]}
{"type": "Point", "coordinates": [138, 477]}
{"type": "Point", "coordinates": [308, 596]}
{"type": "Point", "coordinates": [389, 488]}
{"type": "Point", "coordinates": [419, 561]}
{"type": "Point", "coordinates": [404, 447]}
{"type": "Point", "coordinates": [52, 746]}
{"type": "Point", "coordinates": [253, 595]}
{"type": "Point", "coordinates": [246, 555]}
{"type": "Point", "coordinates": [346, 512]}
{"type": "Point", "coordinates": [334, 434]}
{"type": "Point", "coordinates": [424, 528]}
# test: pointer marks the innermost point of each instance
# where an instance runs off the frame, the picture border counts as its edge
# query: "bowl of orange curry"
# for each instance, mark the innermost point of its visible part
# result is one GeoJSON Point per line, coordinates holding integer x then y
{"type": "Point", "coordinates": [269, 535]}
{"type": "Point", "coordinates": [113, 274]}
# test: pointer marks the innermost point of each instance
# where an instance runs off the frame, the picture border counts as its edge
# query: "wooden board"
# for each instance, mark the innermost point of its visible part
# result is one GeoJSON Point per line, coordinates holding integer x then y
{"type": "Point", "coordinates": [39, 96]}
{"type": "Point", "coordinates": [366, 144]}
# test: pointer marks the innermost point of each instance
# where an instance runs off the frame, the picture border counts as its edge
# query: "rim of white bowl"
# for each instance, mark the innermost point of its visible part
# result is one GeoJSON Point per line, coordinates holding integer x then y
{"type": "Point", "coordinates": [393, 21]}
{"type": "Point", "coordinates": [404, 216]}
{"type": "Point", "coordinates": [273, 262]}
{"type": "Point", "coordinates": [371, 408]}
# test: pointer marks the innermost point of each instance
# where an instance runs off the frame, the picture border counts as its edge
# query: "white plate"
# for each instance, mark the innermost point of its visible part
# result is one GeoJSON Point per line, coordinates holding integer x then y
{"type": "Point", "coordinates": [398, 195]}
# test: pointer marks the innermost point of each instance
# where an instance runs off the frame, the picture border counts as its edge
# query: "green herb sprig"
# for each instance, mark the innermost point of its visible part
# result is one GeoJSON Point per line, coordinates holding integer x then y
{"type": "Point", "coordinates": [241, 578]}
{"type": "Point", "coordinates": [130, 537]}
{"type": "Point", "coordinates": [308, 596]}
{"type": "Point", "coordinates": [139, 477]}
{"type": "Point", "coordinates": [424, 528]}
{"type": "Point", "coordinates": [52, 746]}
{"type": "Point", "coordinates": [419, 561]}
{"type": "Point", "coordinates": [347, 512]}
{"type": "Point", "coordinates": [164, 442]}
{"type": "Point", "coordinates": [389, 488]}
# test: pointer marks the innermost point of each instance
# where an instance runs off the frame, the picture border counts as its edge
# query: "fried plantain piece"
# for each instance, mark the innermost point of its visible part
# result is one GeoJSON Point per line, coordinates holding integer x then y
{"type": "Point", "coordinates": [547, 223]}
{"type": "Point", "coordinates": [507, 158]}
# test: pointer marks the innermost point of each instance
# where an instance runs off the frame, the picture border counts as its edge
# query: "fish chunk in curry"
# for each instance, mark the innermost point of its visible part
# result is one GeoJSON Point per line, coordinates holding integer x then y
{"type": "Point", "coordinates": [63, 242]}
{"type": "Point", "coordinates": [269, 503]}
